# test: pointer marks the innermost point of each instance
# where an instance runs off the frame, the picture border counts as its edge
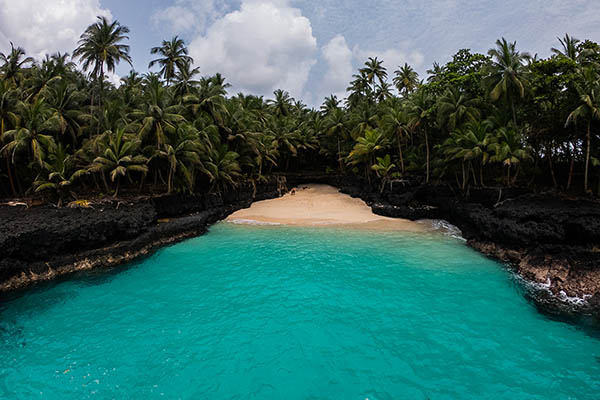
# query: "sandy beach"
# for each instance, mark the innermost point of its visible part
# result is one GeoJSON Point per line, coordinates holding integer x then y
{"type": "Point", "coordinates": [319, 205]}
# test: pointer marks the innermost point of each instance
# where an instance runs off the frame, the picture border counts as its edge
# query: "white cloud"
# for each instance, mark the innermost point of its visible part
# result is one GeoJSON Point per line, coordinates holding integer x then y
{"type": "Point", "coordinates": [338, 56]}
{"type": "Point", "coordinates": [46, 26]}
{"type": "Point", "coordinates": [263, 46]}
{"type": "Point", "coordinates": [186, 16]}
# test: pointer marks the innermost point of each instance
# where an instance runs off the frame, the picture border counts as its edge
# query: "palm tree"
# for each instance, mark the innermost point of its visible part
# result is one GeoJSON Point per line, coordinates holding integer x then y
{"type": "Point", "coordinates": [156, 118]}
{"type": "Point", "coordinates": [8, 117]}
{"type": "Point", "coordinates": [509, 150]}
{"type": "Point", "coordinates": [335, 125]}
{"type": "Point", "coordinates": [223, 167]}
{"type": "Point", "coordinates": [65, 102]}
{"type": "Point", "coordinates": [13, 63]}
{"type": "Point", "coordinates": [420, 109]}
{"type": "Point", "coordinates": [282, 103]}
{"type": "Point", "coordinates": [182, 154]}
{"type": "Point", "coordinates": [569, 47]}
{"type": "Point", "coordinates": [396, 123]}
{"type": "Point", "coordinates": [184, 80]}
{"type": "Point", "coordinates": [59, 173]}
{"type": "Point", "coordinates": [589, 110]}
{"type": "Point", "coordinates": [383, 168]}
{"type": "Point", "coordinates": [455, 108]}
{"type": "Point", "coordinates": [435, 73]}
{"type": "Point", "coordinates": [329, 104]}
{"type": "Point", "coordinates": [374, 69]}
{"type": "Point", "coordinates": [365, 149]}
{"type": "Point", "coordinates": [174, 57]}
{"type": "Point", "coordinates": [30, 135]}
{"type": "Point", "coordinates": [100, 47]}
{"type": "Point", "coordinates": [507, 74]}
{"type": "Point", "coordinates": [406, 79]}
{"type": "Point", "coordinates": [120, 156]}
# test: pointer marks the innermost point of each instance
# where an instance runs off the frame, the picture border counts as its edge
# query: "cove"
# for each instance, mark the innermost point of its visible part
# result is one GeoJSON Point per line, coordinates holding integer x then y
{"type": "Point", "coordinates": [275, 312]}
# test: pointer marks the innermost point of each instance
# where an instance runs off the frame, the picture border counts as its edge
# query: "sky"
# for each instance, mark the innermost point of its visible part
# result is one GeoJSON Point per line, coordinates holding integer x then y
{"type": "Point", "coordinates": [310, 48]}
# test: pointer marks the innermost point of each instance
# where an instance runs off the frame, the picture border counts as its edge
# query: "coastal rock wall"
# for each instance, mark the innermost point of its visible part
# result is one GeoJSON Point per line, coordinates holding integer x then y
{"type": "Point", "coordinates": [43, 242]}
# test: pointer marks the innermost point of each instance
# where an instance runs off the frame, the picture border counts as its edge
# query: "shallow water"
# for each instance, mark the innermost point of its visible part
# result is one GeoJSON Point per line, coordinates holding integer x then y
{"type": "Point", "coordinates": [255, 312]}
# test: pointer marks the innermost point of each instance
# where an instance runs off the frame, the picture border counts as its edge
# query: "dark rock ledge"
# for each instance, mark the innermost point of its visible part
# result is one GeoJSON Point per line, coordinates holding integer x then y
{"type": "Point", "coordinates": [42, 243]}
{"type": "Point", "coordinates": [547, 239]}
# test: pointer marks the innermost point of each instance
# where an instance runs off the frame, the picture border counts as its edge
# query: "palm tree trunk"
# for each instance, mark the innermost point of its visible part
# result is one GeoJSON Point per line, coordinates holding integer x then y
{"type": "Point", "coordinates": [481, 175]}
{"type": "Point", "coordinates": [400, 152]}
{"type": "Point", "coordinates": [514, 113]}
{"type": "Point", "coordinates": [10, 178]}
{"type": "Point", "coordinates": [571, 169]}
{"type": "Point", "coordinates": [587, 155]}
{"type": "Point", "coordinates": [339, 154]}
{"type": "Point", "coordinates": [105, 183]}
{"type": "Point", "coordinates": [464, 176]}
{"type": "Point", "coordinates": [427, 150]}
{"type": "Point", "coordinates": [551, 165]}
{"type": "Point", "coordinates": [117, 187]}
{"type": "Point", "coordinates": [170, 181]}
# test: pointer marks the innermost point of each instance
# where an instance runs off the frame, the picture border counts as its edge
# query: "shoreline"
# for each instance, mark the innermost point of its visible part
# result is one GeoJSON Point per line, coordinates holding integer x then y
{"type": "Point", "coordinates": [43, 243]}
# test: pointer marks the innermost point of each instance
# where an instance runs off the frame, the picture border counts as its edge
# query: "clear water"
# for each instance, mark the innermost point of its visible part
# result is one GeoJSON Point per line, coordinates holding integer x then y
{"type": "Point", "coordinates": [294, 313]}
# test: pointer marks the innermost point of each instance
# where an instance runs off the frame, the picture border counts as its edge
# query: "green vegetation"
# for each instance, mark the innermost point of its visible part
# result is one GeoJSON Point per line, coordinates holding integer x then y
{"type": "Point", "coordinates": [505, 118]}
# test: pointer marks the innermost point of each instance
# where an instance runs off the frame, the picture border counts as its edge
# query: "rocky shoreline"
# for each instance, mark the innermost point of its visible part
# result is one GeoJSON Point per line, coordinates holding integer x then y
{"type": "Point", "coordinates": [549, 240]}
{"type": "Point", "coordinates": [43, 243]}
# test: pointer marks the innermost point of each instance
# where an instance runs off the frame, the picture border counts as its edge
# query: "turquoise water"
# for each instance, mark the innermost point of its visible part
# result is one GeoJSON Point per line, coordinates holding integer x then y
{"type": "Point", "coordinates": [249, 312]}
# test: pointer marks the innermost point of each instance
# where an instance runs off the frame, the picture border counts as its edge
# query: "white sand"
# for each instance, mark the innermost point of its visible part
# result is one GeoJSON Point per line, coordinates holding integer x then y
{"type": "Point", "coordinates": [319, 205]}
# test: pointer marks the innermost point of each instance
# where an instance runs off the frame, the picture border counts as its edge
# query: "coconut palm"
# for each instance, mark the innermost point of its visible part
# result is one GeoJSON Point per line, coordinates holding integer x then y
{"type": "Point", "coordinates": [569, 47]}
{"type": "Point", "coordinates": [510, 150]}
{"type": "Point", "coordinates": [184, 80]}
{"type": "Point", "coordinates": [396, 123]}
{"type": "Point", "coordinates": [174, 56]}
{"type": "Point", "coordinates": [157, 117]}
{"type": "Point", "coordinates": [507, 74]}
{"type": "Point", "coordinates": [31, 135]}
{"type": "Point", "coordinates": [281, 104]}
{"type": "Point", "coordinates": [60, 172]}
{"type": "Point", "coordinates": [383, 168]}
{"type": "Point", "coordinates": [435, 73]}
{"type": "Point", "coordinates": [406, 79]}
{"type": "Point", "coordinates": [65, 101]}
{"type": "Point", "coordinates": [365, 149]}
{"type": "Point", "coordinates": [455, 108]}
{"type": "Point", "coordinates": [420, 109]}
{"type": "Point", "coordinates": [588, 110]}
{"type": "Point", "coordinates": [8, 118]}
{"type": "Point", "coordinates": [335, 125]}
{"type": "Point", "coordinates": [329, 104]}
{"type": "Point", "coordinates": [119, 157]}
{"type": "Point", "coordinates": [223, 167]}
{"type": "Point", "coordinates": [182, 154]}
{"type": "Point", "coordinates": [13, 64]}
{"type": "Point", "coordinates": [372, 70]}
{"type": "Point", "coordinates": [101, 49]}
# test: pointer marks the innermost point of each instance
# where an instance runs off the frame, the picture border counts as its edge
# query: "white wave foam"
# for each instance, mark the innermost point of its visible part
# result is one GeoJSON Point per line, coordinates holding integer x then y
{"type": "Point", "coordinates": [444, 227]}
{"type": "Point", "coordinates": [574, 300]}
{"type": "Point", "coordinates": [251, 222]}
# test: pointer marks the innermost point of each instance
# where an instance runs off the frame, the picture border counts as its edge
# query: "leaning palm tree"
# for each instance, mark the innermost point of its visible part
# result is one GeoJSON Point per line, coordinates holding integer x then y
{"type": "Point", "coordinates": [120, 156]}
{"type": "Point", "coordinates": [174, 56]}
{"type": "Point", "coordinates": [507, 74]}
{"type": "Point", "coordinates": [406, 79]}
{"type": "Point", "coordinates": [588, 110]}
{"type": "Point", "coordinates": [101, 48]}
